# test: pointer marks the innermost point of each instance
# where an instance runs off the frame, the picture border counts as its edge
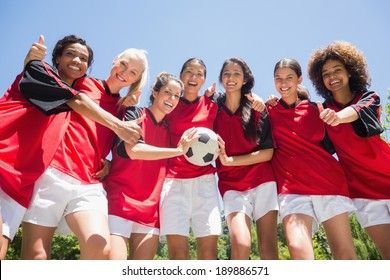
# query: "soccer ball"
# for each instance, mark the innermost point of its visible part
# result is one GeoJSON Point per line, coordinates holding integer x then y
{"type": "Point", "coordinates": [203, 151]}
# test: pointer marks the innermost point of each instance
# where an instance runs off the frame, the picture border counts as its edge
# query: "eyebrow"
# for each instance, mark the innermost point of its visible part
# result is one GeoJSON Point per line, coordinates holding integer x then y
{"type": "Point", "coordinates": [337, 65]}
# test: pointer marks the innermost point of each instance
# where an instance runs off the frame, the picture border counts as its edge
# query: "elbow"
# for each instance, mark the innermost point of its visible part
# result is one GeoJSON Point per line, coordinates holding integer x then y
{"type": "Point", "coordinates": [76, 101]}
{"type": "Point", "coordinates": [132, 151]}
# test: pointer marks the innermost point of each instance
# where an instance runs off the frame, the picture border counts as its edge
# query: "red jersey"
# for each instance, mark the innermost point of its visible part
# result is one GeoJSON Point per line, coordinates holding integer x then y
{"type": "Point", "coordinates": [242, 178]}
{"type": "Point", "coordinates": [301, 164]}
{"type": "Point", "coordinates": [199, 113]}
{"type": "Point", "coordinates": [134, 186]}
{"type": "Point", "coordinates": [364, 156]}
{"type": "Point", "coordinates": [30, 128]}
{"type": "Point", "coordinates": [86, 142]}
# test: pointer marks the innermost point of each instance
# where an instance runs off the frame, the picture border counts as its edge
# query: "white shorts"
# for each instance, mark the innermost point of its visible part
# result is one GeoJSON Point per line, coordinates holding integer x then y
{"type": "Point", "coordinates": [123, 227]}
{"type": "Point", "coordinates": [57, 194]}
{"type": "Point", "coordinates": [12, 214]}
{"type": "Point", "coordinates": [254, 203]}
{"type": "Point", "coordinates": [371, 212]}
{"type": "Point", "coordinates": [190, 202]}
{"type": "Point", "coordinates": [319, 207]}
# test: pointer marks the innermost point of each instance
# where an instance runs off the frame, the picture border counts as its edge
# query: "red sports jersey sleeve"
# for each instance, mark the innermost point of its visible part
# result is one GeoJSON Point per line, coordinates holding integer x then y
{"type": "Point", "coordinates": [301, 164]}
{"type": "Point", "coordinates": [86, 142]}
{"type": "Point", "coordinates": [28, 137]}
{"type": "Point", "coordinates": [200, 113]}
{"type": "Point", "coordinates": [134, 186]}
{"type": "Point", "coordinates": [242, 178]}
{"type": "Point", "coordinates": [364, 156]}
{"type": "Point", "coordinates": [42, 86]}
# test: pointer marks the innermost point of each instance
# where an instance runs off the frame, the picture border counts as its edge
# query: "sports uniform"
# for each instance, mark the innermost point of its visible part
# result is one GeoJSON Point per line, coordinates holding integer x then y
{"type": "Point", "coordinates": [78, 156]}
{"type": "Point", "coordinates": [190, 192]}
{"type": "Point", "coordinates": [364, 156]}
{"type": "Point", "coordinates": [242, 179]}
{"type": "Point", "coordinates": [301, 164]}
{"type": "Point", "coordinates": [136, 197]}
{"type": "Point", "coordinates": [34, 118]}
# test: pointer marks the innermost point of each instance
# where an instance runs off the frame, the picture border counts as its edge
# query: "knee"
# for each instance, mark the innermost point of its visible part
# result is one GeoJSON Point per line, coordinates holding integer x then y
{"type": "Point", "coordinates": [36, 254]}
{"type": "Point", "coordinates": [96, 248]}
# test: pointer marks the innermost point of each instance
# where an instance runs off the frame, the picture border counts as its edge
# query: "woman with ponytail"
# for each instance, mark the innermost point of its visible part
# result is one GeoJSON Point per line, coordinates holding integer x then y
{"type": "Point", "coordinates": [312, 186]}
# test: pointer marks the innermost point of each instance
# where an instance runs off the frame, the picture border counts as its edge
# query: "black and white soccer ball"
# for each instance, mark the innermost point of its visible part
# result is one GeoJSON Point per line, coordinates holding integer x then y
{"type": "Point", "coordinates": [203, 151]}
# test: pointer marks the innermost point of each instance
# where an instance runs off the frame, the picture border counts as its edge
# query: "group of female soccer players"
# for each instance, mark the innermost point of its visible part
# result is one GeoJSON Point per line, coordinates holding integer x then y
{"type": "Point", "coordinates": [275, 160]}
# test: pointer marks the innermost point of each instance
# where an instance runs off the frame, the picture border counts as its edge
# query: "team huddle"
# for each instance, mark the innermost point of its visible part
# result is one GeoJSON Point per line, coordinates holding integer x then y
{"type": "Point", "coordinates": [275, 159]}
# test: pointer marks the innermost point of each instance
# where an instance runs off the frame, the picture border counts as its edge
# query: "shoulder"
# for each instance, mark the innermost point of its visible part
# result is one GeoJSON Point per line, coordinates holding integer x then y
{"type": "Point", "coordinates": [134, 112]}
{"type": "Point", "coordinates": [87, 82]}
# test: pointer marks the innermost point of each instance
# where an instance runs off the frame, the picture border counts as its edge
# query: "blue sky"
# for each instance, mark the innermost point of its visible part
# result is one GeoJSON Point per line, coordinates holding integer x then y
{"type": "Point", "coordinates": [261, 32]}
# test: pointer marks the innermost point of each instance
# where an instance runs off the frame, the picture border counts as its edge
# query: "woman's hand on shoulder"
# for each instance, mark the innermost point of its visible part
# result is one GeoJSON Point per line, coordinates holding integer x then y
{"type": "Point", "coordinates": [272, 100]}
{"type": "Point", "coordinates": [257, 102]}
{"type": "Point", "coordinates": [210, 90]}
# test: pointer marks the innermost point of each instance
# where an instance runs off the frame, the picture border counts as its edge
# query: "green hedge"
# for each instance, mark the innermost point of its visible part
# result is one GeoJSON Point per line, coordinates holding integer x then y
{"type": "Point", "coordinates": [67, 248]}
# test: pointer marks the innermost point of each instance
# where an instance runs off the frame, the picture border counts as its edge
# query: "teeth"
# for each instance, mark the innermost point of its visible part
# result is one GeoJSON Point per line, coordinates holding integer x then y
{"type": "Point", "coordinates": [192, 83]}
{"type": "Point", "coordinates": [333, 82]}
{"type": "Point", "coordinates": [168, 104]}
{"type": "Point", "coordinates": [284, 89]}
{"type": "Point", "coordinates": [120, 78]}
{"type": "Point", "coordinates": [74, 67]}
{"type": "Point", "coordinates": [231, 84]}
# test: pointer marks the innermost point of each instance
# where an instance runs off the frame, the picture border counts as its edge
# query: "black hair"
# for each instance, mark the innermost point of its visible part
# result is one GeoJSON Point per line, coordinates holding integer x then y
{"type": "Point", "coordinates": [66, 41]}
{"type": "Point", "coordinates": [252, 130]}
{"type": "Point", "coordinates": [193, 59]}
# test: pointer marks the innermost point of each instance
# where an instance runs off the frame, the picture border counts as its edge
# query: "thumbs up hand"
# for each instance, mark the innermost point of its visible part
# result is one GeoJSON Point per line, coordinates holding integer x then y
{"type": "Point", "coordinates": [329, 116]}
{"type": "Point", "coordinates": [37, 51]}
{"type": "Point", "coordinates": [210, 90]}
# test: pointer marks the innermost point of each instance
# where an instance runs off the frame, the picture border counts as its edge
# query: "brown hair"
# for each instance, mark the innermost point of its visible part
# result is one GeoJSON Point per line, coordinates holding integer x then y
{"type": "Point", "coordinates": [303, 92]}
{"type": "Point", "coordinates": [352, 59]}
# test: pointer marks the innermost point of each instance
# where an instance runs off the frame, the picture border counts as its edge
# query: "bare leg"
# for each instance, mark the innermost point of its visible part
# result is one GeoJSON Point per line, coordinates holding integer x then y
{"type": "Point", "coordinates": [207, 247]}
{"type": "Point", "coordinates": [178, 247]}
{"type": "Point", "coordinates": [91, 229]}
{"type": "Point", "coordinates": [118, 247]}
{"type": "Point", "coordinates": [240, 235]}
{"type": "Point", "coordinates": [380, 235]}
{"type": "Point", "coordinates": [297, 228]}
{"type": "Point", "coordinates": [339, 236]}
{"type": "Point", "coordinates": [4, 247]}
{"type": "Point", "coordinates": [36, 242]}
{"type": "Point", "coordinates": [143, 246]}
{"type": "Point", "coordinates": [266, 228]}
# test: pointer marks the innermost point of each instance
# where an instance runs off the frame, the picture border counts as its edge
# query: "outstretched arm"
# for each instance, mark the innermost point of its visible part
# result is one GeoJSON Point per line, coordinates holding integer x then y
{"type": "Point", "coordinates": [330, 117]}
{"type": "Point", "coordinates": [148, 152]}
{"type": "Point", "coordinates": [129, 131]}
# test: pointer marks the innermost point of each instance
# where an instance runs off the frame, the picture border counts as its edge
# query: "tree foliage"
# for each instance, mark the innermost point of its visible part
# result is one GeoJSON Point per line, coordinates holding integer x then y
{"type": "Point", "coordinates": [67, 248]}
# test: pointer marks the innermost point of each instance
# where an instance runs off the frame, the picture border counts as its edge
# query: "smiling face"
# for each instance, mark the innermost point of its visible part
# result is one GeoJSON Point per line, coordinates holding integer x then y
{"type": "Point", "coordinates": [232, 77]}
{"type": "Point", "coordinates": [125, 71]}
{"type": "Point", "coordinates": [335, 76]}
{"type": "Point", "coordinates": [286, 83]}
{"type": "Point", "coordinates": [73, 62]}
{"type": "Point", "coordinates": [193, 78]}
{"type": "Point", "coordinates": [166, 99]}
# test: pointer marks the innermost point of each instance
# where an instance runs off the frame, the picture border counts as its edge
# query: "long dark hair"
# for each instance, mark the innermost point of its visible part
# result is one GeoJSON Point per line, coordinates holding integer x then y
{"type": "Point", "coordinates": [252, 130]}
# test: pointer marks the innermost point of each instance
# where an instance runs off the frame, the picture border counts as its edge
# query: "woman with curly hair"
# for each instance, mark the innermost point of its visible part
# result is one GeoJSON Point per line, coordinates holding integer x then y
{"type": "Point", "coordinates": [339, 72]}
